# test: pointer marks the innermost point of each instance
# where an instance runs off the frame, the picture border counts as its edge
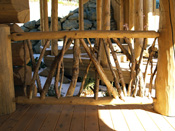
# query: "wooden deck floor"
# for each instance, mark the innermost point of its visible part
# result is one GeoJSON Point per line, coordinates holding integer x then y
{"type": "Point", "coordinates": [88, 118]}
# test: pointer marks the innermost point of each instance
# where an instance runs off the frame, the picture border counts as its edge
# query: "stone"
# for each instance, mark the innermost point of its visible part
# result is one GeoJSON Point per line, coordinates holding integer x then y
{"type": "Point", "coordinates": [69, 24]}
{"type": "Point", "coordinates": [25, 29]}
{"type": "Point", "coordinates": [92, 5]}
{"type": "Point", "coordinates": [74, 16]}
{"type": "Point", "coordinates": [30, 25]}
{"type": "Point", "coordinates": [33, 30]}
{"type": "Point", "coordinates": [59, 26]}
{"type": "Point", "coordinates": [63, 19]}
{"type": "Point", "coordinates": [92, 14]}
{"type": "Point", "coordinates": [36, 47]}
{"type": "Point", "coordinates": [87, 24]}
{"type": "Point", "coordinates": [38, 22]}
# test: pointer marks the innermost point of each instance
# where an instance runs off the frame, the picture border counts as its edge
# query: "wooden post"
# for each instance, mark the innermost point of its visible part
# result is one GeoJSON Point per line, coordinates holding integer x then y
{"type": "Point", "coordinates": [165, 85]}
{"type": "Point", "coordinates": [81, 15]}
{"type": "Point", "coordinates": [105, 26]}
{"type": "Point", "coordinates": [45, 15]}
{"type": "Point", "coordinates": [148, 16]}
{"type": "Point", "coordinates": [138, 27]}
{"type": "Point", "coordinates": [99, 14]}
{"type": "Point", "coordinates": [7, 94]}
{"type": "Point", "coordinates": [54, 44]}
{"type": "Point", "coordinates": [41, 20]}
{"type": "Point", "coordinates": [121, 16]}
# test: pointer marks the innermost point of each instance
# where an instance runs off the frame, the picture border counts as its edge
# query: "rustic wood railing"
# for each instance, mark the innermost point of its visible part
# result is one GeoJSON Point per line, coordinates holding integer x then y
{"type": "Point", "coordinates": [104, 38]}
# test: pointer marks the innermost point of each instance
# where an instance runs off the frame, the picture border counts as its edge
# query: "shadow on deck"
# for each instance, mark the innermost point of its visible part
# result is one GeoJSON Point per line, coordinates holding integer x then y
{"type": "Point", "coordinates": [86, 117]}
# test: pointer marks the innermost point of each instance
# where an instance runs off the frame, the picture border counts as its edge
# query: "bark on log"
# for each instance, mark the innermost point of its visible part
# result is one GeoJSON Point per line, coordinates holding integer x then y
{"type": "Point", "coordinates": [53, 69]}
{"type": "Point", "coordinates": [34, 65]}
{"type": "Point", "coordinates": [58, 68]}
{"type": "Point", "coordinates": [37, 69]}
{"type": "Point", "coordinates": [121, 96]}
{"type": "Point", "coordinates": [97, 78]}
{"type": "Point", "coordinates": [7, 94]}
{"type": "Point", "coordinates": [75, 69]}
{"type": "Point", "coordinates": [122, 48]}
{"type": "Point", "coordinates": [132, 68]}
{"type": "Point", "coordinates": [121, 78]}
{"type": "Point", "coordinates": [99, 69]}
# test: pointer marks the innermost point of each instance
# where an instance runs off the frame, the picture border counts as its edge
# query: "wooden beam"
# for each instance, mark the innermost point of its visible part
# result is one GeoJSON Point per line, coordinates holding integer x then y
{"type": "Point", "coordinates": [83, 34]}
{"type": "Point", "coordinates": [83, 101]}
{"type": "Point", "coordinates": [42, 20]}
{"type": "Point", "coordinates": [7, 93]}
{"type": "Point", "coordinates": [14, 11]}
{"type": "Point", "coordinates": [165, 86]}
{"type": "Point", "coordinates": [131, 14]}
{"type": "Point", "coordinates": [54, 43]}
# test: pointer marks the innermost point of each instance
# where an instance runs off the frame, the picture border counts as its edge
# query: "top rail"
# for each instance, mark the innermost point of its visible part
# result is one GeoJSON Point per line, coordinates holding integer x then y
{"type": "Point", "coordinates": [82, 34]}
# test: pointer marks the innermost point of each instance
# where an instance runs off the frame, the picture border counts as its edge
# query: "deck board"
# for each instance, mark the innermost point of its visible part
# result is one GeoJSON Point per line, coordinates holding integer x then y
{"type": "Point", "coordinates": [64, 121]}
{"type": "Point", "coordinates": [86, 118]}
{"type": "Point", "coordinates": [91, 120]}
{"type": "Point", "coordinates": [52, 118]}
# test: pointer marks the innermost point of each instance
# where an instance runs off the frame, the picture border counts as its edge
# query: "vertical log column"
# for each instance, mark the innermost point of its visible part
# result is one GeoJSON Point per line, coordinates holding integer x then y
{"type": "Point", "coordinates": [45, 14]}
{"type": "Point", "coordinates": [138, 27]}
{"type": "Point", "coordinates": [105, 26]}
{"type": "Point", "coordinates": [54, 44]}
{"type": "Point", "coordinates": [131, 14]}
{"type": "Point", "coordinates": [165, 83]}
{"type": "Point", "coordinates": [7, 94]}
{"type": "Point", "coordinates": [148, 17]}
{"type": "Point", "coordinates": [121, 17]}
{"type": "Point", "coordinates": [42, 20]}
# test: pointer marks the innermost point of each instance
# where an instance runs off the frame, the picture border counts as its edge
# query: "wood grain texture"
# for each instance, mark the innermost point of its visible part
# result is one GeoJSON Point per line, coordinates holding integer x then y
{"type": "Point", "coordinates": [6, 82]}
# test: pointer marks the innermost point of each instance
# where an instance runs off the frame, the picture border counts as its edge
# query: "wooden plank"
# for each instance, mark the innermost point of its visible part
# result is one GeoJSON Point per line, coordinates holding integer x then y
{"type": "Point", "coordinates": [91, 123]}
{"type": "Point", "coordinates": [78, 119]}
{"type": "Point", "coordinates": [158, 119]}
{"type": "Point", "coordinates": [83, 34]}
{"type": "Point", "coordinates": [171, 121]}
{"type": "Point", "coordinates": [27, 118]}
{"type": "Point", "coordinates": [37, 121]}
{"type": "Point", "coordinates": [64, 121]}
{"type": "Point", "coordinates": [118, 119]}
{"type": "Point", "coordinates": [147, 123]}
{"type": "Point", "coordinates": [83, 100]}
{"type": "Point", "coordinates": [3, 119]}
{"type": "Point", "coordinates": [15, 117]}
{"type": "Point", "coordinates": [131, 119]}
{"type": "Point", "coordinates": [52, 118]}
{"type": "Point", "coordinates": [105, 121]}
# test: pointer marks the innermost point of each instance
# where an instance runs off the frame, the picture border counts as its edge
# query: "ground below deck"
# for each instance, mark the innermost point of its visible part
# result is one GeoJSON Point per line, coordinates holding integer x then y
{"type": "Point", "coordinates": [88, 118]}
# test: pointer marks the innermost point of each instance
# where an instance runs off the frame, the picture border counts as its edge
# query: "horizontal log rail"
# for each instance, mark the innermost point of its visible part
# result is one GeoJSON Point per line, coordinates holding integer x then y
{"type": "Point", "coordinates": [82, 34]}
{"type": "Point", "coordinates": [84, 100]}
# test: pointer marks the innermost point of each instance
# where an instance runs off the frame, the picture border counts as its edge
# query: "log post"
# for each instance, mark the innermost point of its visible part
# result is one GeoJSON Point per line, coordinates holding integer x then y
{"type": "Point", "coordinates": [54, 43]}
{"type": "Point", "coordinates": [121, 16]}
{"type": "Point", "coordinates": [81, 15]}
{"type": "Point", "coordinates": [7, 94]}
{"type": "Point", "coordinates": [42, 20]}
{"type": "Point", "coordinates": [45, 15]}
{"type": "Point", "coordinates": [105, 26]}
{"type": "Point", "coordinates": [148, 16]}
{"type": "Point", "coordinates": [138, 27]}
{"type": "Point", "coordinates": [165, 85]}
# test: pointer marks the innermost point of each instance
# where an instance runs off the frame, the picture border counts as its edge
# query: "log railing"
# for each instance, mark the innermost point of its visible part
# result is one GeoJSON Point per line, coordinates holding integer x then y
{"type": "Point", "coordinates": [104, 37]}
